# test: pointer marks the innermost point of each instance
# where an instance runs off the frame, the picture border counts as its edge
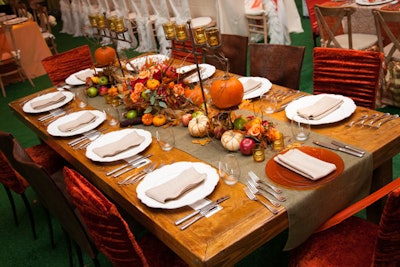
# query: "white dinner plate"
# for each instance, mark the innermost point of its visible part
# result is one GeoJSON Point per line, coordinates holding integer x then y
{"type": "Point", "coordinates": [113, 137]}
{"type": "Point", "coordinates": [28, 108]}
{"type": "Point", "coordinates": [139, 62]}
{"type": "Point", "coordinates": [53, 130]}
{"type": "Point", "coordinates": [200, 22]}
{"type": "Point", "coordinates": [344, 111]}
{"type": "Point", "coordinates": [169, 172]}
{"type": "Point", "coordinates": [15, 21]}
{"type": "Point", "coordinates": [265, 87]}
{"type": "Point", "coordinates": [73, 80]}
{"type": "Point", "coordinates": [374, 3]}
{"type": "Point", "coordinates": [206, 71]}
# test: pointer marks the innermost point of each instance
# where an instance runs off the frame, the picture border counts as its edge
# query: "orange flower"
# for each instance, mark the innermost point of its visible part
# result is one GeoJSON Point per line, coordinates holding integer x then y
{"type": "Point", "coordinates": [144, 74]}
{"type": "Point", "coordinates": [137, 90]}
{"type": "Point", "coordinates": [255, 130]}
{"type": "Point", "coordinates": [178, 89]}
{"type": "Point", "coordinates": [254, 121]}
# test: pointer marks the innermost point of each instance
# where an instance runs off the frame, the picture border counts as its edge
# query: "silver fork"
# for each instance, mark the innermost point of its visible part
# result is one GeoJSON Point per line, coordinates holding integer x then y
{"type": "Point", "coordinates": [255, 191]}
{"type": "Point", "coordinates": [361, 123]}
{"type": "Point", "coordinates": [257, 179]}
{"type": "Point", "coordinates": [378, 119]}
{"type": "Point", "coordinates": [132, 178]}
{"type": "Point", "coordinates": [251, 196]}
{"type": "Point", "coordinates": [357, 120]}
{"type": "Point", "coordinates": [384, 121]}
{"type": "Point", "coordinates": [275, 195]}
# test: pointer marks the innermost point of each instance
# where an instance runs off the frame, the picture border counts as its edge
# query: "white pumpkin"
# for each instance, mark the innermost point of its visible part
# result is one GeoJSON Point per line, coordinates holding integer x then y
{"type": "Point", "coordinates": [198, 126]}
{"type": "Point", "coordinates": [231, 140]}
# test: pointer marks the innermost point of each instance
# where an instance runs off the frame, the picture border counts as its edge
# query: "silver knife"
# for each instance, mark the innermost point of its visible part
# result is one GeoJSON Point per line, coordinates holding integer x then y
{"type": "Point", "coordinates": [134, 165]}
{"type": "Point", "coordinates": [337, 148]}
{"type": "Point", "coordinates": [336, 143]}
{"type": "Point", "coordinates": [283, 106]}
{"type": "Point", "coordinates": [205, 208]}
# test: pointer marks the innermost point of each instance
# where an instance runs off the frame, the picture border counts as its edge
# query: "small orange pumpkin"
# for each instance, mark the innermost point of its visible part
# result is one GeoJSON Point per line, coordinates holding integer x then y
{"type": "Point", "coordinates": [227, 92]}
{"type": "Point", "coordinates": [194, 94]}
{"type": "Point", "coordinates": [147, 119]}
{"type": "Point", "coordinates": [159, 120]}
{"type": "Point", "coordinates": [105, 55]}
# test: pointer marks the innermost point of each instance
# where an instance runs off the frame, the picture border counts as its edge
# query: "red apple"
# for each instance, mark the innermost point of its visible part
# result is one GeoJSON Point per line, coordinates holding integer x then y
{"type": "Point", "coordinates": [103, 90]}
{"type": "Point", "coordinates": [185, 119]}
{"type": "Point", "coordinates": [247, 145]}
{"type": "Point", "coordinates": [218, 131]}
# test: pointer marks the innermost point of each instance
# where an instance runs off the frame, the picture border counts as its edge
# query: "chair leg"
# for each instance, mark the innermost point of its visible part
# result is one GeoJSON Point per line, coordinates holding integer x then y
{"type": "Point", "coordinates": [30, 214]}
{"type": "Point", "coordinates": [69, 248]}
{"type": "Point", "coordinates": [12, 203]}
{"type": "Point", "coordinates": [51, 232]}
{"type": "Point", "coordinates": [79, 254]}
{"type": "Point", "coordinates": [3, 90]}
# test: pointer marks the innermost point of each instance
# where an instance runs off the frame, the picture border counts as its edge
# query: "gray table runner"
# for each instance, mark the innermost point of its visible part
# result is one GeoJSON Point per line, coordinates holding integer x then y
{"type": "Point", "coordinates": [307, 209]}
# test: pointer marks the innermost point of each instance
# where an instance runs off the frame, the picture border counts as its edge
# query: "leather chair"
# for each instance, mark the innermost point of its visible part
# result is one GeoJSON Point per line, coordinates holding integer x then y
{"type": "Point", "coordinates": [346, 240]}
{"type": "Point", "coordinates": [234, 48]}
{"type": "Point", "coordinates": [330, 23]}
{"type": "Point", "coordinates": [280, 64]}
{"type": "Point", "coordinates": [111, 232]}
{"type": "Point", "coordinates": [62, 65]}
{"type": "Point", "coordinates": [50, 190]}
{"type": "Point", "coordinates": [352, 73]}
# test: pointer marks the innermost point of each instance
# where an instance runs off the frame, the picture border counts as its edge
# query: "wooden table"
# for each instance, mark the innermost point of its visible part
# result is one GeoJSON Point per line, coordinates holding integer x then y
{"type": "Point", "coordinates": [242, 225]}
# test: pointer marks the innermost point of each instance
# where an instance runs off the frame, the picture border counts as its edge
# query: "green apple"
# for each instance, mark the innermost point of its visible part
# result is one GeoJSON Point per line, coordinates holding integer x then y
{"type": "Point", "coordinates": [103, 80]}
{"type": "Point", "coordinates": [92, 91]}
{"type": "Point", "coordinates": [145, 95]}
{"type": "Point", "coordinates": [197, 113]}
{"type": "Point", "coordinates": [131, 114]}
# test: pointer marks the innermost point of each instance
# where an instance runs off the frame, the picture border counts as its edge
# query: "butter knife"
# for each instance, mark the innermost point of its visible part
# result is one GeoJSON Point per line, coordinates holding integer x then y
{"type": "Point", "coordinates": [206, 208]}
{"type": "Point", "coordinates": [336, 143]}
{"type": "Point", "coordinates": [338, 148]}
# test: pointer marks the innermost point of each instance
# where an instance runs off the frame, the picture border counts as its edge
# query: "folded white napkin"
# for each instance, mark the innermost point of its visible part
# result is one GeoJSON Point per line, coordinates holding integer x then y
{"type": "Point", "coordinates": [177, 186]}
{"type": "Point", "coordinates": [127, 141]}
{"type": "Point", "coordinates": [48, 101]}
{"type": "Point", "coordinates": [83, 75]}
{"type": "Point", "coordinates": [250, 85]}
{"type": "Point", "coordinates": [304, 164]}
{"type": "Point", "coordinates": [79, 122]}
{"type": "Point", "coordinates": [321, 108]}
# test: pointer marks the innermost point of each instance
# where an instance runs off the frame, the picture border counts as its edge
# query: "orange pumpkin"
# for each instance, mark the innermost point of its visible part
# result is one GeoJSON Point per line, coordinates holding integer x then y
{"type": "Point", "coordinates": [194, 94]}
{"type": "Point", "coordinates": [105, 55]}
{"type": "Point", "coordinates": [226, 93]}
{"type": "Point", "coordinates": [147, 119]}
{"type": "Point", "coordinates": [159, 120]}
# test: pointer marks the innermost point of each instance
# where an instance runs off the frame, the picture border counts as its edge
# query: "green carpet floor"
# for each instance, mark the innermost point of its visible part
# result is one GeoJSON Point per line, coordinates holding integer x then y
{"type": "Point", "coordinates": [18, 248]}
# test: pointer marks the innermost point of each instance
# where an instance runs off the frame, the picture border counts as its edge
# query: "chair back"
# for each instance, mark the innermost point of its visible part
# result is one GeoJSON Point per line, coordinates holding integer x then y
{"type": "Point", "coordinates": [387, 28]}
{"type": "Point", "coordinates": [48, 193]}
{"type": "Point", "coordinates": [107, 228]}
{"type": "Point", "coordinates": [313, 19]}
{"type": "Point", "coordinates": [386, 250]}
{"type": "Point", "coordinates": [43, 20]}
{"type": "Point", "coordinates": [330, 22]}
{"type": "Point", "coordinates": [234, 48]}
{"type": "Point", "coordinates": [62, 65]}
{"type": "Point", "coordinates": [352, 73]}
{"type": "Point", "coordinates": [281, 64]}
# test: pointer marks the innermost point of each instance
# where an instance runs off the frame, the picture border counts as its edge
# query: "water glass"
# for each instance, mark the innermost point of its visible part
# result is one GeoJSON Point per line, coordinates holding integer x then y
{"type": "Point", "coordinates": [268, 104]}
{"type": "Point", "coordinates": [112, 115]}
{"type": "Point", "coordinates": [300, 129]}
{"type": "Point", "coordinates": [165, 138]}
{"type": "Point", "coordinates": [229, 169]}
{"type": "Point", "coordinates": [81, 97]}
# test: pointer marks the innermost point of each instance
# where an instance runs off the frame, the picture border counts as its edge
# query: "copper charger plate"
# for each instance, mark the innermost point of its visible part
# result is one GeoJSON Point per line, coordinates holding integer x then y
{"type": "Point", "coordinates": [290, 179]}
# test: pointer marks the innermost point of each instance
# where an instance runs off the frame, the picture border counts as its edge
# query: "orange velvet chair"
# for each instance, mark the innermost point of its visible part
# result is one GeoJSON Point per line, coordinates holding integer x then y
{"type": "Point", "coordinates": [352, 73]}
{"type": "Point", "coordinates": [111, 232]}
{"type": "Point", "coordinates": [346, 240]}
{"type": "Point", "coordinates": [62, 65]}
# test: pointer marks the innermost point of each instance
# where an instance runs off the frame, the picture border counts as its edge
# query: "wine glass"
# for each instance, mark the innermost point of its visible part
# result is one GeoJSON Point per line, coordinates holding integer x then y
{"type": "Point", "coordinates": [229, 169]}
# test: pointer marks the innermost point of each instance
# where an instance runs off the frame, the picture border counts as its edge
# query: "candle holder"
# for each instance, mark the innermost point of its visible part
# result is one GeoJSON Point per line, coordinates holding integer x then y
{"type": "Point", "coordinates": [169, 30]}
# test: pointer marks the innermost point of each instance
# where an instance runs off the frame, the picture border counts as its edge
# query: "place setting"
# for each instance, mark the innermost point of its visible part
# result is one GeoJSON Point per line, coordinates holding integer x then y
{"type": "Point", "coordinates": [47, 102]}
{"type": "Point", "coordinates": [254, 86]}
{"type": "Point", "coordinates": [79, 78]}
